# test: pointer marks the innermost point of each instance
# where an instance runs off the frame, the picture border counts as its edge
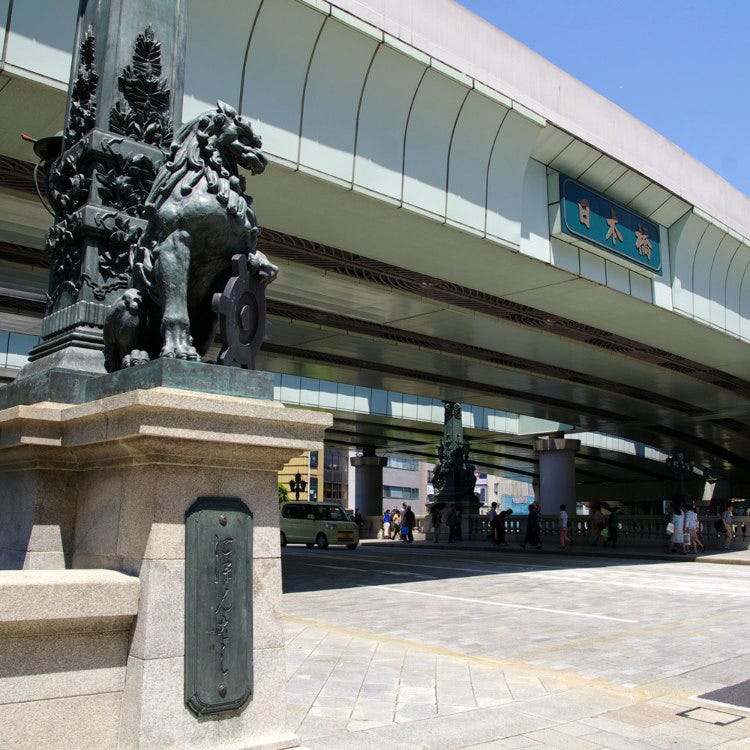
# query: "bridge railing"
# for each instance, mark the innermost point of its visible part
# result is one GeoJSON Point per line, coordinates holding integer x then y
{"type": "Point", "coordinates": [634, 531]}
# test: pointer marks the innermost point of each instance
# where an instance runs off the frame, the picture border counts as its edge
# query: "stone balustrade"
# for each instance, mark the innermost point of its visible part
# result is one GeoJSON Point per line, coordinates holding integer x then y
{"type": "Point", "coordinates": [636, 531]}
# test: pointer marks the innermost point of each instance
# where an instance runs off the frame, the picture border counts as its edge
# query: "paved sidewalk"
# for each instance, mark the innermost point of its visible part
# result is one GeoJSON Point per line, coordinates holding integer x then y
{"type": "Point", "coordinates": [374, 674]}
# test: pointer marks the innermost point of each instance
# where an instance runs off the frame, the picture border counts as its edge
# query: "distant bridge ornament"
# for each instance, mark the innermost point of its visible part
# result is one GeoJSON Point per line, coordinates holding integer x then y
{"type": "Point", "coordinates": [603, 225]}
{"type": "Point", "coordinates": [454, 476]}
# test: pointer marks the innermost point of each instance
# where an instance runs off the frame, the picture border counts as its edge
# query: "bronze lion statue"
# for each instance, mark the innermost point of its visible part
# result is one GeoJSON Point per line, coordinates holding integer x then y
{"type": "Point", "coordinates": [198, 218]}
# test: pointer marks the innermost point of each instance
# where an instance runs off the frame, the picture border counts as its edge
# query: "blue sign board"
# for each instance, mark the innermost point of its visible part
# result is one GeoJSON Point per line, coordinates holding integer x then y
{"type": "Point", "coordinates": [607, 225]}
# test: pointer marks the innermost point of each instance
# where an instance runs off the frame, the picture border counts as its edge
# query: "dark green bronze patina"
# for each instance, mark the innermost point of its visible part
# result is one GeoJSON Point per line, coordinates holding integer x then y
{"type": "Point", "coordinates": [454, 476]}
{"type": "Point", "coordinates": [218, 605]}
{"type": "Point", "coordinates": [125, 98]}
{"type": "Point", "coordinates": [153, 246]}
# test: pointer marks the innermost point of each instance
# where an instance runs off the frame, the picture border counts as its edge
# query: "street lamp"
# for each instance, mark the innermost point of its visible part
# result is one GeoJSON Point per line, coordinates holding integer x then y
{"type": "Point", "coordinates": [297, 485]}
{"type": "Point", "coordinates": [681, 467]}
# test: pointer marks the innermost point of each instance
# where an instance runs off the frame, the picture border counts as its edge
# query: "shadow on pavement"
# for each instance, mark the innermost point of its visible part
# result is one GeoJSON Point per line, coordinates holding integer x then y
{"type": "Point", "coordinates": [378, 564]}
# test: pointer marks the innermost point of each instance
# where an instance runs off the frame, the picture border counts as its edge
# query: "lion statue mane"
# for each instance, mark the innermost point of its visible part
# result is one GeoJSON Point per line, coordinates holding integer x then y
{"type": "Point", "coordinates": [198, 218]}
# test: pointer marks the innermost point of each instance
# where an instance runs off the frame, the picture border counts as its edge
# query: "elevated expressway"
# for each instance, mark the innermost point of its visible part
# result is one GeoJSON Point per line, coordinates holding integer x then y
{"type": "Point", "coordinates": [411, 202]}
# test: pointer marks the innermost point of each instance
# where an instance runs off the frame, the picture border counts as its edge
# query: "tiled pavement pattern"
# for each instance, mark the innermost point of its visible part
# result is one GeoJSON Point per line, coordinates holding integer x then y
{"type": "Point", "coordinates": [418, 648]}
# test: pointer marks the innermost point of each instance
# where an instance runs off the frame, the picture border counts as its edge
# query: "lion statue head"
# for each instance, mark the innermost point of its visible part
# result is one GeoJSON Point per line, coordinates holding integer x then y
{"type": "Point", "coordinates": [210, 147]}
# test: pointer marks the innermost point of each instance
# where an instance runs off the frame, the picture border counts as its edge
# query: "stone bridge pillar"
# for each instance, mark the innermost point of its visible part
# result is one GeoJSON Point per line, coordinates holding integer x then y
{"type": "Point", "coordinates": [557, 479]}
{"type": "Point", "coordinates": [368, 482]}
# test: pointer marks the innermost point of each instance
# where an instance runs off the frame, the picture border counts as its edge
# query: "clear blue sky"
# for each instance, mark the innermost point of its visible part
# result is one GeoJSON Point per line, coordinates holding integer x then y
{"type": "Point", "coordinates": [680, 66]}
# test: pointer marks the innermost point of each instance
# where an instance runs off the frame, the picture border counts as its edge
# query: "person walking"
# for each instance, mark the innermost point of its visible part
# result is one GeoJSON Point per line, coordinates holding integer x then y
{"type": "Point", "coordinates": [691, 529]}
{"type": "Point", "coordinates": [359, 520]}
{"type": "Point", "coordinates": [492, 518]}
{"type": "Point", "coordinates": [457, 524]}
{"type": "Point", "coordinates": [678, 532]}
{"type": "Point", "coordinates": [598, 524]}
{"type": "Point", "coordinates": [613, 528]}
{"type": "Point", "coordinates": [395, 523]}
{"type": "Point", "coordinates": [450, 521]}
{"type": "Point", "coordinates": [435, 521]}
{"type": "Point", "coordinates": [387, 524]}
{"type": "Point", "coordinates": [502, 517]}
{"type": "Point", "coordinates": [533, 529]}
{"type": "Point", "coordinates": [408, 519]}
{"type": "Point", "coordinates": [726, 517]}
{"type": "Point", "coordinates": [565, 539]}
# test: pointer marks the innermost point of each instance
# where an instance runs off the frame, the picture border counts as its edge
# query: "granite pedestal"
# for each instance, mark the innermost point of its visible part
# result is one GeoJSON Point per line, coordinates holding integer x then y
{"type": "Point", "coordinates": [105, 484]}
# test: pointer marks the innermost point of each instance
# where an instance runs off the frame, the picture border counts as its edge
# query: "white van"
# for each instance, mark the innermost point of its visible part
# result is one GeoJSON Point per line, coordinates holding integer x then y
{"type": "Point", "coordinates": [317, 523]}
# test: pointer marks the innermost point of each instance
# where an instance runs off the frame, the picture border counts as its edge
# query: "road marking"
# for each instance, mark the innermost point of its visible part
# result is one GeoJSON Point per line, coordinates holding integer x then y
{"type": "Point", "coordinates": [504, 604]}
{"type": "Point", "coordinates": [579, 575]}
{"type": "Point", "coordinates": [696, 585]}
{"type": "Point", "coordinates": [398, 573]}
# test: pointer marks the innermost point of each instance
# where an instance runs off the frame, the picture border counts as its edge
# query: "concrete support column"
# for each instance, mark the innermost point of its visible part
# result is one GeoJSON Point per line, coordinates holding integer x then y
{"type": "Point", "coordinates": [557, 479]}
{"type": "Point", "coordinates": [368, 482]}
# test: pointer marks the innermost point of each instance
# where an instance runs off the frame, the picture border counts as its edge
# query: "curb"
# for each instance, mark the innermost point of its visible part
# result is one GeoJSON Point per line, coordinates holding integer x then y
{"type": "Point", "coordinates": [717, 558]}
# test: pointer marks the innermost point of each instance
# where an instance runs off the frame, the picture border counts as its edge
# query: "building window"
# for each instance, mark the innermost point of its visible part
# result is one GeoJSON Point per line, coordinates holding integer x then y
{"type": "Point", "coordinates": [332, 460]}
{"type": "Point", "coordinates": [409, 464]}
{"type": "Point", "coordinates": [400, 493]}
{"type": "Point", "coordinates": [334, 492]}
{"type": "Point", "coordinates": [335, 475]}
{"type": "Point", "coordinates": [313, 459]}
{"type": "Point", "coordinates": [312, 489]}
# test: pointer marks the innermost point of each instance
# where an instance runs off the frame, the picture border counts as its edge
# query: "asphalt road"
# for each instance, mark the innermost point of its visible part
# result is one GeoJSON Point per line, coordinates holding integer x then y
{"type": "Point", "coordinates": [629, 623]}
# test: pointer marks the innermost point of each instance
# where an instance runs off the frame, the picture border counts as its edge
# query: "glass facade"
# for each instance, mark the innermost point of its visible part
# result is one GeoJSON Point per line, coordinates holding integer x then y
{"type": "Point", "coordinates": [15, 347]}
{"type": "Point", "coordinates": [400, 493]}
{"type": "Point", "coordinates": [409, 464]}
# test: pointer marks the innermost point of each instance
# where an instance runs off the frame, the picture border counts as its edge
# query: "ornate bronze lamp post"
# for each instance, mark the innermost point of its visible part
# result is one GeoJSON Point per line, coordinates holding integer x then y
{"type": "Point", "coordinates": [297, 485]}
{"type": "Point", "coordinates": [454, 475]}
{"type": "Point", "coordinates": [682, 467]}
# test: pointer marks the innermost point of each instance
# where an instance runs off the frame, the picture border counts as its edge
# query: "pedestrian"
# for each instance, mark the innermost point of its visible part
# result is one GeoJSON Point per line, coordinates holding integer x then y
{"type": "Point", "coordinates": [564, 536]}
{"type": "Point", "coordinates": [668, 530]}
{"type": "Point", "coordinates": [395, 523]}
{"type": "Point", "coordinates": [450, 522]}
{"type": "Point", "coordinates": [726, 517]}
{"type": "Point", "coordinates": [457, 524]}
{"type": "Point", "coordinates": [359, 520]}
{"type": "Point", "coordinates": [492, 518]}
{"type": "Point", "coordinates": [678, 529]}
{"type": "Point", "coordinates": [598, 524]}
{"type": "Point", "coordinates": [387, 524]}
{"type": "Point", "coordinates": [533, 529]}
{"type": "Point", "coordinates": [502, 517]}
{"type": "Point", "coordinates": [408, 519]}
{"type": "Point", "coordinates": [613, 528]}
{"type": "Point", "coordinates": [435, 520]}
{"type": "Point", "coordinates": [691, 528]}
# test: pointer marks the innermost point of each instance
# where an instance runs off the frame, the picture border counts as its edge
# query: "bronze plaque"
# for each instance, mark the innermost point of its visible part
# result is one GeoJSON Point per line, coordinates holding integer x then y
{"type": "Point", "coordinates": [218, 605]}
